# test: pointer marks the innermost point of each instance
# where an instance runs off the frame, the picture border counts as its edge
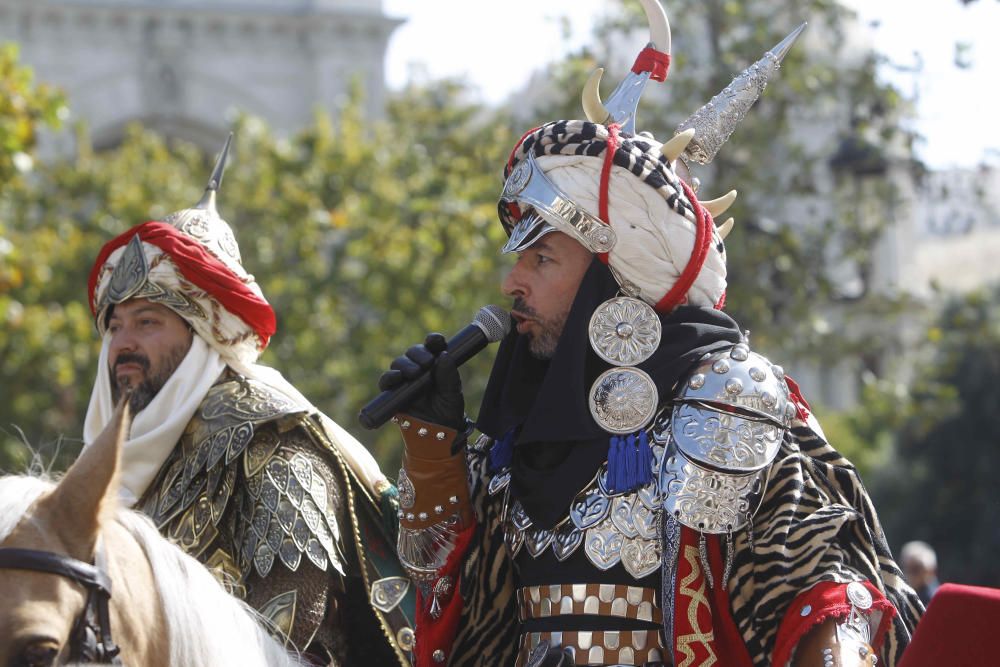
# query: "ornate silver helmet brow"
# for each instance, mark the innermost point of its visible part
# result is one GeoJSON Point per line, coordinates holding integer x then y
{"type": "Point", "coordinates": [207, 201]}
{"type": "Point", "coordinates": [714, 122]}
{"type": "Point", "coordinates": [621, 106]}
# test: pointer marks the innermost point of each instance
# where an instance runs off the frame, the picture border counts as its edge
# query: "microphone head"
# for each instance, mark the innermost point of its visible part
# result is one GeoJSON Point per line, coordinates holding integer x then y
{"type": "Point", "coordinates": [494, 321]}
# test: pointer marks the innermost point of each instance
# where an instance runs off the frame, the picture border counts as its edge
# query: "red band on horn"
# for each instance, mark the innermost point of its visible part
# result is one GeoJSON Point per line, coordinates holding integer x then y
{"type": "Point", "coordinates": [657, 63]}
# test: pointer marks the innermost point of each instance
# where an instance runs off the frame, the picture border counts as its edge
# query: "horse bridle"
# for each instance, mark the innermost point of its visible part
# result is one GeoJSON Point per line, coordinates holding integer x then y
{"type": "Point", "coordinates": [90, 639]}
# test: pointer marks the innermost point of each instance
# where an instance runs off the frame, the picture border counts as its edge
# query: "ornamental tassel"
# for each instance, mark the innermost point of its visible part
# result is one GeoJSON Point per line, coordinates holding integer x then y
{"type": "Point", "coordinates": [502, 452]}
{"type": "Point", "coordinates": [629, 462]}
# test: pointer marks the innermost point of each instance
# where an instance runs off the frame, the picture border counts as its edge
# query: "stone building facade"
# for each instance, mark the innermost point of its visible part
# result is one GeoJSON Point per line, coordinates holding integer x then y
{"type": "Point", "coordinates": [182, 67]}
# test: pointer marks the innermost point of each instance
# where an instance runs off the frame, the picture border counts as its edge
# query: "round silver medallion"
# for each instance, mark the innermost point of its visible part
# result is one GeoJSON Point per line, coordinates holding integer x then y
{"type": "Point", "coordinates": [624, 331]}
{"type": "Point", "coordinates": [859, 596]}
{"type": "Point", "coordinates": [623, 400]}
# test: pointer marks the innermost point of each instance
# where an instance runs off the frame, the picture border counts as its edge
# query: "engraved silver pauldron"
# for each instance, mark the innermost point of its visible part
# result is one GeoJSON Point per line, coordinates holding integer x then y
{"type": "Point", "coordinates": [711, 455]}
{"type": "Point", "coordinates": [726, 427]}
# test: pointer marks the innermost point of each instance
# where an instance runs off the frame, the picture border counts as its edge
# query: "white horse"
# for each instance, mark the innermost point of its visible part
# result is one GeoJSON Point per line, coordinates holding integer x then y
{"type": "Point", "coordinates": [165, 608]}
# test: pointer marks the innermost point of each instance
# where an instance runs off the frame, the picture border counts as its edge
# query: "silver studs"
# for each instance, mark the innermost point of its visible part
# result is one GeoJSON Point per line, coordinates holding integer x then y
{"type": "Point", "coordinates": [721, 367]}
{"type": "Point", "coordinates": [453, 500]}
{"type": "Point", "coordinates": [624, 330]}
{"type": "Point", "coordinates": [734, 386]}
{"type": "Point", "coordinates": [395, 419]}
{"type": "Point", "coordinates": [740, 352]}
{"type": "Point", "coordinates": [789, 410]}
{"type": "Point", "coordinates": [806, 610]}
{"type": "Point", "coordinates": [757, 374]}
{"type": "Point", "coordinates": [778, 371]}
{"type": "Point", "coordinates": [768, 399]}
{"type": "Point", "coordinates": [422, 516]}
{"type": "Point", "coordinates": [421, 431]}
{"type": "Point", "coordinates": [399, 514]}
{"type": "Point", "coordinates": [440, 435]}
{"type": "Point", "coordinates": [697, 381]}
{"type": "Point", "coordinates": [410, 516]}
{"type": "Point", "coordinates": [439, 509]}
{"type": "Point", "coordinates": [405, 425]}
{"type": "Point", "coordinates": [438, 655]}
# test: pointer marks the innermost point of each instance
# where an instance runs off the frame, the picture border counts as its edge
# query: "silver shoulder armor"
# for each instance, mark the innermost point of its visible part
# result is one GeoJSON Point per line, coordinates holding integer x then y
{"type": "Point", "coordinates": [727, 424]}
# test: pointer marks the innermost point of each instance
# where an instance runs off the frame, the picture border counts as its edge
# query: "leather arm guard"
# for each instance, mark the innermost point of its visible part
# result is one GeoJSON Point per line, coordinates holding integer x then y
{"type": "Point", "coordinates": [433, 496]}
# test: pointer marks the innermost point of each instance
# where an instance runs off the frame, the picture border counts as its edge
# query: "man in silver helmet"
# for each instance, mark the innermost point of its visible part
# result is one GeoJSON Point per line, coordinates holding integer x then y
{"type": "Point", "coordinates": [229, 460]}
{"type": "Point", "coordinates": [647, 490]}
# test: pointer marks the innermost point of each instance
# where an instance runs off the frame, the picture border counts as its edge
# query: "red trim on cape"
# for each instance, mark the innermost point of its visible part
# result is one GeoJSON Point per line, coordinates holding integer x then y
{"type": "Point", "coordinates": [435, 634]}
{"type": "Point", "coordinates": [657, 63]}
{"type": "Point", "coordinates": [200, 267]}
{"type": "Point", "coordinates": [827, 599]}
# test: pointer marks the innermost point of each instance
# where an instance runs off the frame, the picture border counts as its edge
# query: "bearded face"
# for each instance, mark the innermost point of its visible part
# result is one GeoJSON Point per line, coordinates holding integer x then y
{"type": "Point", "coordinates": [148, 342]}
{"type": "Point", "coordinates": [543, 284]}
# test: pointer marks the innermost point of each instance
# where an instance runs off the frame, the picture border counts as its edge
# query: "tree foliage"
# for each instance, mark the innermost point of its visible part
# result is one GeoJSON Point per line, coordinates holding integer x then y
{"type": "Point", "coordinates": [942, 486]}
{"type": "Point", "coordinates": [365, 237]}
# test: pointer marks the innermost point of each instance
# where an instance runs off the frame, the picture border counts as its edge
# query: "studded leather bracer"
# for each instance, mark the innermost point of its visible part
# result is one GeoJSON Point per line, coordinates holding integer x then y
{"type": "Point", "coordinates": [249, 492]}
{"type": "Point", "coordinates": [433, 496]}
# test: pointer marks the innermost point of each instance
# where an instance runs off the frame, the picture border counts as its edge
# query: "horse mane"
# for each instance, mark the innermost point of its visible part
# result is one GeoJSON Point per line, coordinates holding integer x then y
{"type": "Point", "coordinates": [205, 623]}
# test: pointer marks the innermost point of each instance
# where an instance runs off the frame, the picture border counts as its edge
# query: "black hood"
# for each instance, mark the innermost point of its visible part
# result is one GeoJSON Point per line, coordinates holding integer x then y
{"type": "Point", "coordinates": [559, 447]}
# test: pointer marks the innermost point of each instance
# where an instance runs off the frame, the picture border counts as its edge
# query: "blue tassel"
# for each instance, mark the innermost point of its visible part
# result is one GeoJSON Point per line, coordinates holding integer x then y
{"type": "Point", "coordinates": [645, 474]}
{"type": "Point", "coordinates": [629, 463]}
{"type": "Point", "coordinates": [502, 452]}
{"type": "Point", "coordinates": [615, 454]}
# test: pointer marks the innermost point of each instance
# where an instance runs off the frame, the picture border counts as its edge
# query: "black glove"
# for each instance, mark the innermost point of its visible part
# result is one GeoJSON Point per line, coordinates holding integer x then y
{"type": "Point", "coordinates": [442, 403]}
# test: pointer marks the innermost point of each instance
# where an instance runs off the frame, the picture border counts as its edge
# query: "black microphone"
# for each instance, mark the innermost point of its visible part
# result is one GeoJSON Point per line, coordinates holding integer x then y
{"type": "Point", "coordinates": [490, 325]}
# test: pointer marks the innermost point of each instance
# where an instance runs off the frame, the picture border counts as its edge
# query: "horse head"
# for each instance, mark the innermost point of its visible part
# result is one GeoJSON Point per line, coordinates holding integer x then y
{"type": "Point", "coordinates": [59, 532]}
{"type": "Point", "coordinates": [84, 580]}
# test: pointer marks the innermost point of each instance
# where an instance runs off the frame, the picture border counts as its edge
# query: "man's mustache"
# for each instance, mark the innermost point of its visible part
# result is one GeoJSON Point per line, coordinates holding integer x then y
{"type": "Point", "coordinates": [523, 308]}
{"type": "Point", "coordinates": [131, 358]}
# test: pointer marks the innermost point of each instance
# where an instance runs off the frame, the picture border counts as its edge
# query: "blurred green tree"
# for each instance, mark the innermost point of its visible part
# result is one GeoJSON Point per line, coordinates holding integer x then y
{"type": "Point", "coordinates": [363, 238]}
{"type": "Point", "coordinates": [941, 486]}
{"type": "Point", "coordinates": [366, 236]}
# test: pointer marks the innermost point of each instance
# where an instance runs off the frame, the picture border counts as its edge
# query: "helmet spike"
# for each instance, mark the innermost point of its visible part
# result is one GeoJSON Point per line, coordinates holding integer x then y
{"type": "Point", "coordinates": [716, 120]}
{"type": "Point", "coordinates": [207, 201]}
{"type": "Point", "coordinates": [623, 102]}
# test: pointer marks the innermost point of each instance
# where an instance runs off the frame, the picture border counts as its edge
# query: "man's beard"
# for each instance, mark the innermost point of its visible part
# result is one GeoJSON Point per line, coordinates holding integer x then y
{"type": "Point", "coordinates": [142, 394]}
{"type": "Point", "coordinates": [543, 344]}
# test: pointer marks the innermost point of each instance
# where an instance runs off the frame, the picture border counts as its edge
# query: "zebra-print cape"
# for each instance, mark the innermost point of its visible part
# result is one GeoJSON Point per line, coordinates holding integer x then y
{"type": "Point", "coordinates": [816, 523]}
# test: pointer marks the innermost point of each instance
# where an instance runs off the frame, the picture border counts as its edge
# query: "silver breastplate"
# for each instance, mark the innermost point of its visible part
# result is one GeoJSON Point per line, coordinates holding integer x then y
{"type": "Point", "coordinates": [711, 453]}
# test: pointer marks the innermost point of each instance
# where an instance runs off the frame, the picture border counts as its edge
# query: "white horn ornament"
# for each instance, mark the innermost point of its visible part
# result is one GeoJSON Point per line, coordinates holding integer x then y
{"type": "Point", "coordinates": [673, 148]}
{"type": "Point", "coordinates": [592, 106]}
{"type": "Point", "coordinates": [718, 206]}
{"type": "Point", "coordinates": [725, 228]}
{"type": "Point", "coordinates": [659, 26]}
